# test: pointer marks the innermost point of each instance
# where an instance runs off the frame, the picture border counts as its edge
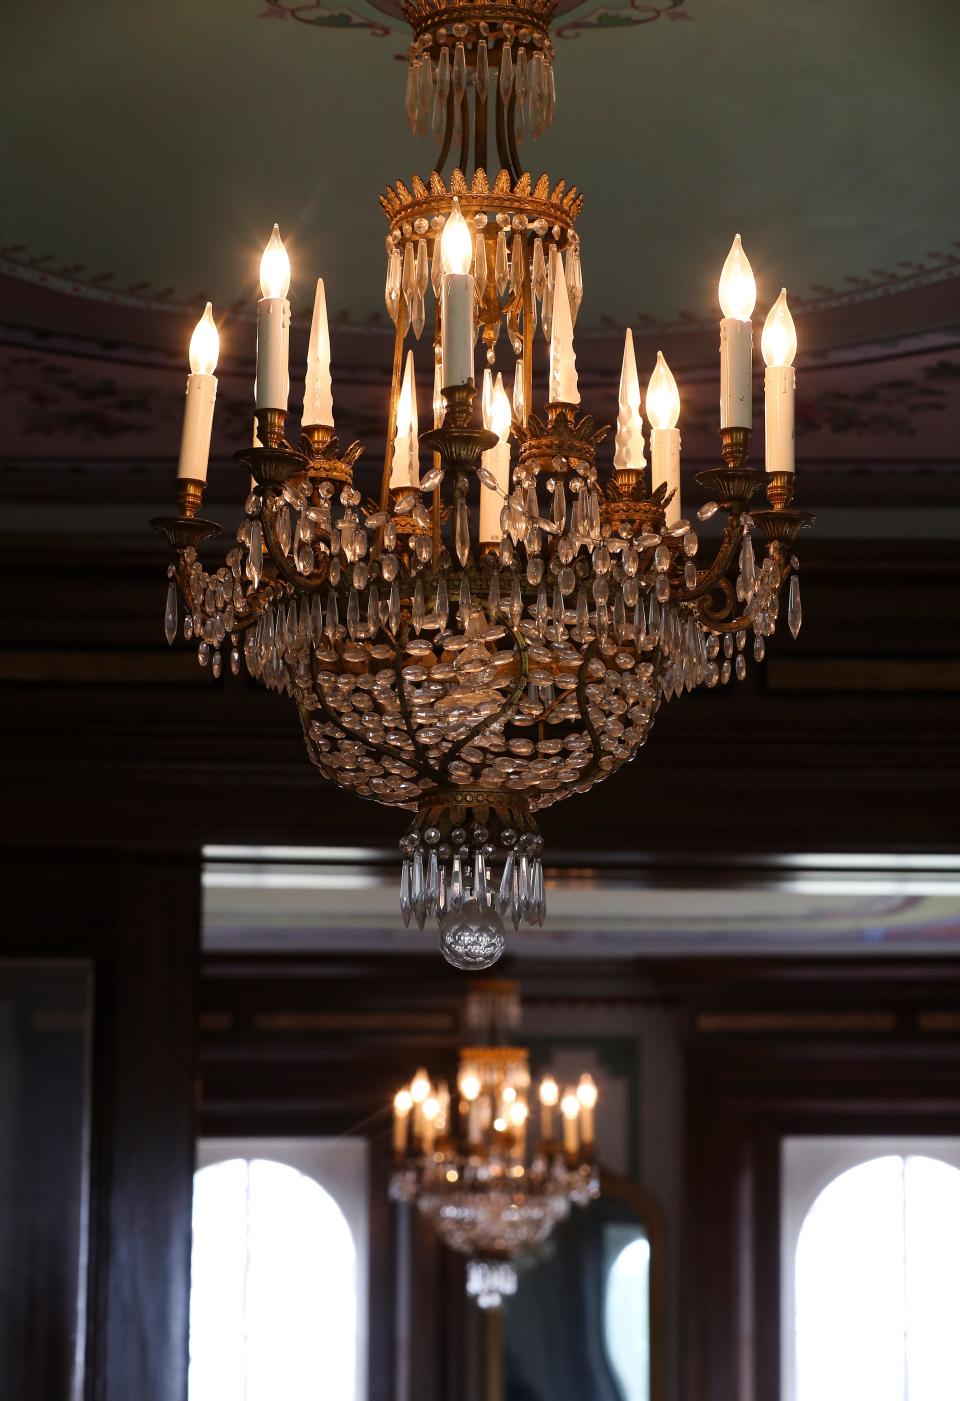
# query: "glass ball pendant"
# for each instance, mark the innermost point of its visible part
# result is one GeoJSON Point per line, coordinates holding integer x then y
{"type": "Point", "coordinates": [471, 937]}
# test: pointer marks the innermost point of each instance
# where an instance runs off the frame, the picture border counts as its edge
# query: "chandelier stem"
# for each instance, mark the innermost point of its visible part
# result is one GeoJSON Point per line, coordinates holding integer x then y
{"type": "Point", "coordinates": [492, 1354]}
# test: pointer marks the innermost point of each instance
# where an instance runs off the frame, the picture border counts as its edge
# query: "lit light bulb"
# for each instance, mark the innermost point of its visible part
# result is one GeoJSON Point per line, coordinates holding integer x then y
{"type": "Point", "coordinates": [549, 1091]}
{"type": "Point", "coordinates": [570, 1105]}
{"type": "Point", "coordinates": [501, 414]}
{"type": "Point", "coordinates": [663, 396]}
{"type": "Point", "coordinates": [470, 1086]}
{"type": "Point", "coordinates": [587, 1092]}
{"type": "Point", "coordinates": [500, 1125]}
{"type": "Point", "coordinates": [486, 397]}
{"type": "Point", "coordinates": [275, 267]}
{"type": "Point", "coordinates": [509, 1094]}
{"type": "Point", "coordinates": [518, 1113]}
{"type": "Point", "coordinates": [204, 344]}
{"type": "Point", "coordinates": [431, 1108]}
{"type": "Point", "coordinates": [439, 402]}
{"type": "Point", "coordinates": [456, 247]}
{"type": "Point", "coordinates": [738, 289]}
{"type": "Point", "coordinates": [420, 1087]}
{"type": "Point", "coordinates": [403, 1102]}
{"type": "Point", "coordinates": [778, 341]}
{"type": "Point", "coordinates": [407, 402]}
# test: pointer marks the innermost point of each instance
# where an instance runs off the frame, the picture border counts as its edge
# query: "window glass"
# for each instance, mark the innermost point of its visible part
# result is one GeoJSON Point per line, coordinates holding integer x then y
{"type": "Point", "coordinates": [877, 1284]}
{"type": "Point", "coordinates": [626, 1313]}
{"type": "Point", "coordinates": [273, 1309]}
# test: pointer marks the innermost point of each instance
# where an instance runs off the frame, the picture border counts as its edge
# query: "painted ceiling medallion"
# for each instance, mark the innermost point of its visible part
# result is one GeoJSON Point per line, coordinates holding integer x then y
{"type": "Point", "coordinates": [497, 631]}
{"type": "Point", "coordinates": [385, 17]}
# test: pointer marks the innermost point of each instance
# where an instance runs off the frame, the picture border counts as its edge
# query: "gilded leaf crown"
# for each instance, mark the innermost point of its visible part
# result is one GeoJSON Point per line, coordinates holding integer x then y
{"type": "Point", "coordinates": [557, 207]}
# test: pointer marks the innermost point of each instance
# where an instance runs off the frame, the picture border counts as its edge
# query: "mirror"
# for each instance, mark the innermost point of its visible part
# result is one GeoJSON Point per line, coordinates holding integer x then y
{"type": "Point", "coordinates": [585, 1320]}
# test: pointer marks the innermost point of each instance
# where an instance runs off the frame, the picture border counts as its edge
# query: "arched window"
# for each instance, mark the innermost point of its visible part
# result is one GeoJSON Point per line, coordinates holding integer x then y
{"type": "Point", "coordinates": [876, 1287]}
{"type": "Point", "coordinates": [273, 1307]}
{"type": "Point", "coordinates": [626, 1311]}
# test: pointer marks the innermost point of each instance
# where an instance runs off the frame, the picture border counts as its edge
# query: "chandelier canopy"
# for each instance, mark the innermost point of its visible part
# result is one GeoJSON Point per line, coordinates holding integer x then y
{"type": "Point", "coordinates": [493, 1183]}
{"type": "Point", "coordinates": [499, 629]}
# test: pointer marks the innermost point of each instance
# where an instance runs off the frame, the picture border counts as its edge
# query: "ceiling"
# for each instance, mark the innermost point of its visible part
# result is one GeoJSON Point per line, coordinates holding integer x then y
{"type": "Point", "coordinates": [824, 133]}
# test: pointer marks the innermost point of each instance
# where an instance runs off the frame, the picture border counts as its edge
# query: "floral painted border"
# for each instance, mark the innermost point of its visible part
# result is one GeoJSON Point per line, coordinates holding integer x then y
{"type": "Point", "coordinates": [382, 18]}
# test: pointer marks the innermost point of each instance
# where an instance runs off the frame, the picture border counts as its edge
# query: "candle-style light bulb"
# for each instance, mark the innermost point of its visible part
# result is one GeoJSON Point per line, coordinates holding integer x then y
{"type": "Point", "coordinates": [587, 1092]}
{"type": "Point", "coordinates": [628, 448]}
{"type": "Point", "coordinates": [549, 1091]}
{"type": "Point", "coordinates": [779, 345]}
{"type": "Point", "coordinates": [470, 1085]}
{"type": "Point", "coordinates": [456, 246]}
{"type": "Point", "coordinates": [497, 417]}
{"type": "Point", "coordinates": [204, 344]}
{"type": "Point", "coordinates": [198, 408]}
{"type": "Point", "coordinates": [663, 396]}
{"type": "Point", "coordinates": [563, 387]}
{"type": "Point", "coordinates": [405, 471]}
{"type": "Point", "coordinates": [778, 342]}
{"type": "Point", "coordinates": [403, 1102]}
{"type": "Point", "coordinates": [318, 388]}
{"type": "Point", "coordinates": [439, 402]}
{"type": "Point", "coordinates": [420, 1086]}
{"type": "Point", "coordinates": [738, 288]}
{"type": "Point", "coordinates": [275, 267]}
{"type": "Point", "coordinates": [501, 413]}
{"type": "Point", "coordinates": [486, 397]}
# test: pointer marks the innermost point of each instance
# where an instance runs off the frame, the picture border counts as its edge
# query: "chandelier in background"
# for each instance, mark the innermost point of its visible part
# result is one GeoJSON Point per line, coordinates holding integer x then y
{"type": "Point", "coordinates": [499, 629]}
{"type": "Point", "coordinates": [493, 1177]}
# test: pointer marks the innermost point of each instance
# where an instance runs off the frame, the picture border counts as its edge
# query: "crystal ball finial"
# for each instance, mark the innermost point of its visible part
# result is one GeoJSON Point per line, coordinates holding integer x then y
{"type": "Point", "coordinates": [472, 937]}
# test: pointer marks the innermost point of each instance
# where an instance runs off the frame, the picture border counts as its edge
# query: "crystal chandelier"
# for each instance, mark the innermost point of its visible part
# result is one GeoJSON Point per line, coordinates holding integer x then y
{"type": "Point", "coordinates": [493, 1187]}
{"type": "Point", "coordinates": [499, 629]}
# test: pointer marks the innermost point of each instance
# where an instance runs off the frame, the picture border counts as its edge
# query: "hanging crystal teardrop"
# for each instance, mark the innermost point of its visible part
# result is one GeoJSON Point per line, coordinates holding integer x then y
{"type": "Point", "coordinates": [412, 99]}
{"type": "Point", "coordinates": [506, 73]}
{"type": "Point", "coordinates": [502, 264]}
{"type": "Point", "coordinates": [794, 610]}
{"type": "Point", "coordinates": [170, 614]}
{"type": "Point", "coordinates": [459, 73]}
{"type": "Point", "coordinates": [482, 79]}
{"type": "Point", "coordinates": [462, 531]}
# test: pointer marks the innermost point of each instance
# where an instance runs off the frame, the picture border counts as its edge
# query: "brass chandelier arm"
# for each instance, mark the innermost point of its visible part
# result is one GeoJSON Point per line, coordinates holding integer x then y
{"type": "Point", "coordinates": [726, 553]}
{"type": "Point", "coordinates": [718, 620]}
{"type": "Point", "coordinates": [506, 709]}
{"type": "Point", "coordinates": [279, 560]}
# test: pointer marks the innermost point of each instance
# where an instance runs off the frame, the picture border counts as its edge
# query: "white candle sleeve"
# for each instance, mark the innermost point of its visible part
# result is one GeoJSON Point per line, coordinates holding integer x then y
{"type": "Point", "coordinates": [456, 328]}
{"type": "Point", "coordinates": [401, 1125]}
{"type": "Point", "coordinates": [546, 1122]}
{"type": "Point", "coordinates": [665, 467]}
{"type": "Point", "coordinates": [273, 353]}
{"type": "Point", "coordinates": [779, 384]}
{"type": "Point", "coordinates": [571, 1136]}
{"type": "Point", "coordinates": [497, 461]}
{"type": "Point", "coordinates": [736, 373]}
{"type": "Point", "coordinates": [197, 427]}
{"type": "Point", "coordinates": [587, 1114]}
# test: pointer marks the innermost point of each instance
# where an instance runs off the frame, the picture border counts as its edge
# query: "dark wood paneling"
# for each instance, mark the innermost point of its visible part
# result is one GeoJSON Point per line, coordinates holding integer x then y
{"type": "Point", "coordinates": [138, 920]}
